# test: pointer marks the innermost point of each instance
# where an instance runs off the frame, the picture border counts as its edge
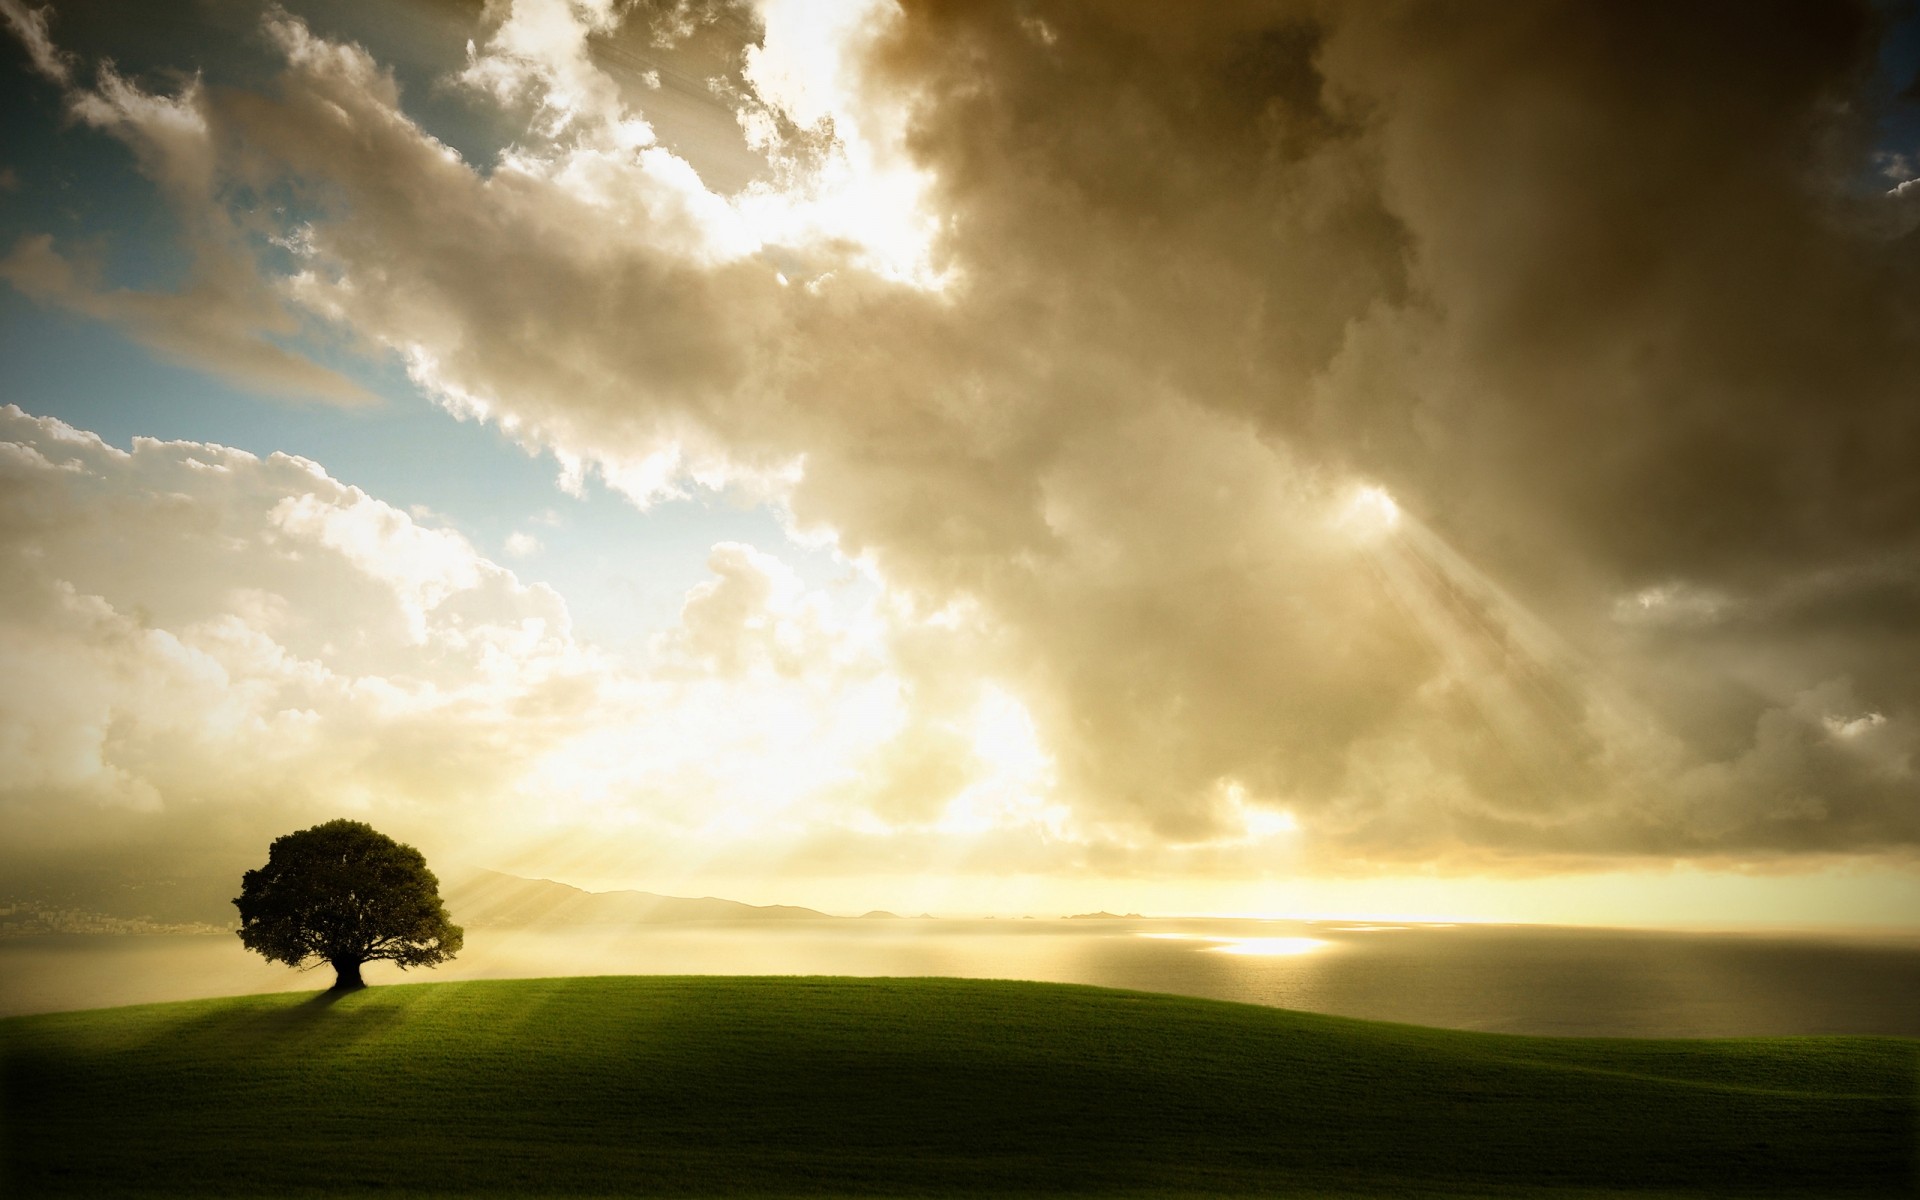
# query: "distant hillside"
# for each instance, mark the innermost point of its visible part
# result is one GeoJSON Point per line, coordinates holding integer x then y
{"type": "Point", "coordinates": [491, 898]}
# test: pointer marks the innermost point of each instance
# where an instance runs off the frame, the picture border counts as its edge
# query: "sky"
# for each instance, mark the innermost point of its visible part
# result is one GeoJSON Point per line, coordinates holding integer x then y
{"type": "Point", "coordinates": [1405, 459]}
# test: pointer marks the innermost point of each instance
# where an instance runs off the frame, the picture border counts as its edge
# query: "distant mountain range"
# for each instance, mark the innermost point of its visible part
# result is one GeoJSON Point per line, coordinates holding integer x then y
{"type": "Point", "coordinates": [121, 897]}
{"type": "Point", "coordinates": [493, 898]}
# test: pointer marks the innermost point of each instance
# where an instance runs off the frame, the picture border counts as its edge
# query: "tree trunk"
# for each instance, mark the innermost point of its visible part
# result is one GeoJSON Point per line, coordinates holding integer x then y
{"type": "Point", "coordinates": [346, 975]}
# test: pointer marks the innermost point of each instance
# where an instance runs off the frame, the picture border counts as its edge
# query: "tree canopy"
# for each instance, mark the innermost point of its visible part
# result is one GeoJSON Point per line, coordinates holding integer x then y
{"type": "Point", "coordinates": [345, 894]}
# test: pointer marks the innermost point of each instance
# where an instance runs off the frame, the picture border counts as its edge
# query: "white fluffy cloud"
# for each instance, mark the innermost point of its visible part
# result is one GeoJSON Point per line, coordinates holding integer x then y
{"type": "Point", "coordinates": [197, 634]}
{"type": "Point", "coordinates": [200, 623]}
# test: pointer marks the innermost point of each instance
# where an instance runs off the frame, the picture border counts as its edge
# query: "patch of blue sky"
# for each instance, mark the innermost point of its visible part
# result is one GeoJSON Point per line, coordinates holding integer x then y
{"type": "Point", "coordinates": [81, 187]}
{"type": "Point", "coordinates": [624, 572]}
{"type": "Point", "coordinates": [1899, 73]}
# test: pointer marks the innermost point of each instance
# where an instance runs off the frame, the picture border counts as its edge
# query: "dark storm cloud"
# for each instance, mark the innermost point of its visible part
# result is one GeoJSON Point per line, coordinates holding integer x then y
{"type": "Point", "coordinates": [1584, 286]}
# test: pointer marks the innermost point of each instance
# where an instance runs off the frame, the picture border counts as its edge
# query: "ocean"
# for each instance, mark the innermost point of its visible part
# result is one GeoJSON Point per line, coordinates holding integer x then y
{"type": "Point", "coordinates": [1498, 978]}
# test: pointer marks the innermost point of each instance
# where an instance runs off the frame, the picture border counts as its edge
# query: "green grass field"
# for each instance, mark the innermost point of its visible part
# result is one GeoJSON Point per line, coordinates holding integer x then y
{"type": "Point", "coordinates": [711, 1086]}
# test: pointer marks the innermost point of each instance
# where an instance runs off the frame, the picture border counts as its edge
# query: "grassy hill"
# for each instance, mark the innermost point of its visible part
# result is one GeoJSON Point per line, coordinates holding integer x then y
{"type": "Point", "coordinates": [707, 1086]}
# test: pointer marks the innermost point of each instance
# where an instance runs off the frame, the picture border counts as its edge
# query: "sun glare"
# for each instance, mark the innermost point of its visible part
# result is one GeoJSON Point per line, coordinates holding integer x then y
{"type": "Point", "coordinates": [866, 192]}
{"type": "Point", "coordinates": [1249, 947]}
{"type": "Point", "coordinates": [1370, 512]}
{"type": "Point", "coordinates": [1004, 737]}
{"type": "Point", "coordinates": [1273, 947]}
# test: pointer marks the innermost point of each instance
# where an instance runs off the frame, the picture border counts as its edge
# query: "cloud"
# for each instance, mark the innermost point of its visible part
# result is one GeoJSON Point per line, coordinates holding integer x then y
{"type": "Point", "coordinates": [753, 616]}
{"type": "Point", "coordinates": [225, 317]}
{"type": "Point", "coordinates": [203, 648]}
{"type": "Point", "coordinates": [202, 627]}
{"type": "Point", "coordinates": [30, 26]}
{"type": "Point", "coordinates": [215, 323]}
{"type": "Point", "coordinates": [1582, 292]}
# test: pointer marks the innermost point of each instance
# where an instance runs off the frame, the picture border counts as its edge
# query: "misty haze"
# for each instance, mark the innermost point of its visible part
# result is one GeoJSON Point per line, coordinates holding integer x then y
{"type": "Point", "coordinates": [1536, 980]}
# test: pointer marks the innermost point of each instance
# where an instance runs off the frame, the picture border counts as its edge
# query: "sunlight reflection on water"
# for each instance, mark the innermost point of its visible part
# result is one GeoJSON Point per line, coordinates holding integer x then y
{"type": "Point", "coordinates": [1270, 947]}
{"type": "Point", "coordinates": [1258, 947]}
{"type": "Point", "coordinates": [1514, 979]}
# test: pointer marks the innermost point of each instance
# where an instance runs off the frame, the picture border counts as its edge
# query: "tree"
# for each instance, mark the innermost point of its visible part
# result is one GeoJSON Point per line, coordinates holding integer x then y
{"type": "Point", "coordinates": [344, 893]}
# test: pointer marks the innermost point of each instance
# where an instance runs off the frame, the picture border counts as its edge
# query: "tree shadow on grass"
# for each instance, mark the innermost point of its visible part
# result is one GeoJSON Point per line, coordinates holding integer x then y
{"type": "Point", "coordinates": [327, 1018]}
